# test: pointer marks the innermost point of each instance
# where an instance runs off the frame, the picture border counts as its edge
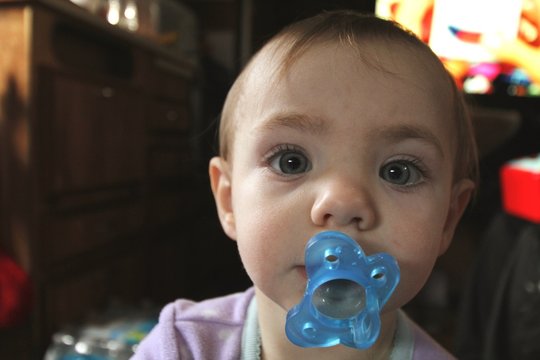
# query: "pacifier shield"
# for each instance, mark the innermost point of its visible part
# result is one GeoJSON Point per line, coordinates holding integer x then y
{"type": "Point", "coordinates": [344, 294]}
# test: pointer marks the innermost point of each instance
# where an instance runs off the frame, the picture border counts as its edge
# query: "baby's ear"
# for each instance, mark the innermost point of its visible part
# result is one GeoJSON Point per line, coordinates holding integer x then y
{"type": "Point", "coordinates": [461, 195]}
{"type": "Point", "coordinates": [220, 181]}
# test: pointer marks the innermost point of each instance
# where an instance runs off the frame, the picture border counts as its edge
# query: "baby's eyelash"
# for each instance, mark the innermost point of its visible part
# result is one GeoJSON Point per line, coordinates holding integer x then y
{"type": "Point", "coordinates": [280, 149]}
{"type": "Point", "coordinates": [404, 173]}
{"type": "Point", "coordinates": [418, 164]}
{"type": "Point", "coordinates": [288, 161]}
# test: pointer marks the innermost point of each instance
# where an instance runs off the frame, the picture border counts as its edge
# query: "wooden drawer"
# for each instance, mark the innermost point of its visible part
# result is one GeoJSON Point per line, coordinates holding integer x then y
{"type": "Point", "coordinates": [170, 161]}
{"type": "Point", "coordinates": [75, 234]}
{"type": "Point", "coordinates": [170, 208]}
{"type": "Point", "coordinates": [121, 278]}
{"type": "Point", "coordinates": [170, 80]}
{"type": "Point", "coordinates": [68, 301]}
{"type": "Point", "coordinates": [128, 276]}
{"type": "Point", "coordinates": [172, 269]}
{"type": "Point", "coordinates": [167, 115]}
{"type": "Point", "coordinates": [94, 136]}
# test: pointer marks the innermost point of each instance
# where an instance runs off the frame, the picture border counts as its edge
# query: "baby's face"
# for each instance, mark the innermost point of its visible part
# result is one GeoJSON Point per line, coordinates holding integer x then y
{"type": "Point", "coordinates": [338, 145]}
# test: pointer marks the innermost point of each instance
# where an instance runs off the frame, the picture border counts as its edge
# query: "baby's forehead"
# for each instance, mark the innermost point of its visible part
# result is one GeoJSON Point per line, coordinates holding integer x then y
{"type": "Point", "coordinates": [393, 71]}
{"type": "Point", "coordinates": [396, 59]}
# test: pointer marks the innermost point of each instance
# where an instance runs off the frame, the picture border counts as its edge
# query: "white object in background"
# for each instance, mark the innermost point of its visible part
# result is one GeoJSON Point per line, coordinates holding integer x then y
{"type": "Point", "coordinates": [459, 27]}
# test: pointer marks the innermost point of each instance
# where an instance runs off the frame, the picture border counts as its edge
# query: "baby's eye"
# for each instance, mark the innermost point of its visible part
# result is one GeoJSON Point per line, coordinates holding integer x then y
{"type": "Point", "coordinates": [289, 162]}
{"type": "Point", "coordinates": [402, 172]}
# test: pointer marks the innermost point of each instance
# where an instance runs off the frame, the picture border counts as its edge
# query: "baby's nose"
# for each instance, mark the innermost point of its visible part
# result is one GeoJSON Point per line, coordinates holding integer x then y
{"type": "Point", "coordinates": [341, 202]}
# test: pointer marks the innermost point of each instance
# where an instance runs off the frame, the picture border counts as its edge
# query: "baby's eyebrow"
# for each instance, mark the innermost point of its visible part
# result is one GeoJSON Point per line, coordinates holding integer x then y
{"type": "Point", "coordinates": [313, 125]}
{"type": "Point", "coordinates": [396, 133]}
{"type": "Point", "coordinates": [296, 121]}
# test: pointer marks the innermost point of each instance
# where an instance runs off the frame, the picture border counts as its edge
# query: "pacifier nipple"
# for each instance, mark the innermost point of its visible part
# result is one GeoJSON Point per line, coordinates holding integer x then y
{"type": "Point", "coordinates": [344, 294]}
{"type": "Point", "coordinates": [339, 298]}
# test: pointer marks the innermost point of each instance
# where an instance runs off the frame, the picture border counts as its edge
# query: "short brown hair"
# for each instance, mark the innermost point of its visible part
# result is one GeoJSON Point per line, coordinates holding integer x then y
{"type": "Point", "coordinates": [351, 28]}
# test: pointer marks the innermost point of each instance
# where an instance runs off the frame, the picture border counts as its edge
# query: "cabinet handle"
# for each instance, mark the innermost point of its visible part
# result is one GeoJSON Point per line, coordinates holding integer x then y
{"type": "Point", "coordinates": [107, 92]}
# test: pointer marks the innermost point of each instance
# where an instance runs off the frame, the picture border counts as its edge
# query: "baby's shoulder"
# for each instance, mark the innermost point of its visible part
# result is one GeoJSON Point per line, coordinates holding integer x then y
{"type": "Point", "coordinates": [209, 329]}
{"type": "Point", "coordinates": [226, 310]}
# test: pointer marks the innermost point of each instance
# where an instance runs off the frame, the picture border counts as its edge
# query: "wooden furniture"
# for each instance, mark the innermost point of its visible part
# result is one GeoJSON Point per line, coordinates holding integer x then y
{"type": "Point", "coordinates": [96, 185]}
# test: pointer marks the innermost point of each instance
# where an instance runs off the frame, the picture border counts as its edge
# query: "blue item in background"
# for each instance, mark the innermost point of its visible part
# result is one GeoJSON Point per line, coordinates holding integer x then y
{"type": "Point", "coordinates": [113, 338]}
{"type": "Point", "coordinates": [345, 292]}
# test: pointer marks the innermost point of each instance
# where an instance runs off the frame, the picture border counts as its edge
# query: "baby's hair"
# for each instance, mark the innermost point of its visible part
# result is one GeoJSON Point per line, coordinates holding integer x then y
{"type": "Point", "coordinates": [352, 29]}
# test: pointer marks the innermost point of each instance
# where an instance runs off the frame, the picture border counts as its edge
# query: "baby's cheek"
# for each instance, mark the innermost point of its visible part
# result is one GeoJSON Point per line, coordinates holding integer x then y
{"type": "Point", "coordinates": [414, 273]}
{"type": "Point", "coordinates": [251, 260]}
{"type": "Point", "coordinates": [257, 252]}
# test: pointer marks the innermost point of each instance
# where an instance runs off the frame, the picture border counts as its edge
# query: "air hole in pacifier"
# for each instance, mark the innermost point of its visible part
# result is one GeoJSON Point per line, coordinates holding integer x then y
{"type": "Point", "coordinates": [309, 330]}
{"type": "Point", "coordinates": [378, 275]}
{"type": "Point", "coordinates": [339, 298]}
{"type": "Point", "coordinates": [331, 258]}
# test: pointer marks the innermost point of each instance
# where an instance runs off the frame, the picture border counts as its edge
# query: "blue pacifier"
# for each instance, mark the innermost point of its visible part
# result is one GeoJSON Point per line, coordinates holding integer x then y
{"type": "Point", "coordinates": [344, 294]}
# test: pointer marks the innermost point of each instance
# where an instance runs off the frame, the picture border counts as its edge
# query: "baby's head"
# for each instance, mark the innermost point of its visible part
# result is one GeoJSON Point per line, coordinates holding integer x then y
{"type": "Point", "coordinates": [358, 33]}
{"type": "Point", "coordinates": [342, 122]}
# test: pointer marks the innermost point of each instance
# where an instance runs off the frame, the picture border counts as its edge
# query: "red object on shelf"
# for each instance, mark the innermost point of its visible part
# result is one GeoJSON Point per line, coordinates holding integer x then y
{"type": "Point", "coordinates": [15, 292]}
{"type": "Point", "coordinates": [520, 186]}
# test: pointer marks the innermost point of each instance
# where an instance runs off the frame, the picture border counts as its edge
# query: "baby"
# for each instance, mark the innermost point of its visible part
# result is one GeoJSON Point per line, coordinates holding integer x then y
{"type": "Point", "coordinates": [341, 122]}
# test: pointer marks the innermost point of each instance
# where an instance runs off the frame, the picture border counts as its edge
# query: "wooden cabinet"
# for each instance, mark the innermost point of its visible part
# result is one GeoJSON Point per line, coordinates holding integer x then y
{"type": "Point", "coordinates": [96, 186]}
{"type": "Point", "coordinates": [95, 136]}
